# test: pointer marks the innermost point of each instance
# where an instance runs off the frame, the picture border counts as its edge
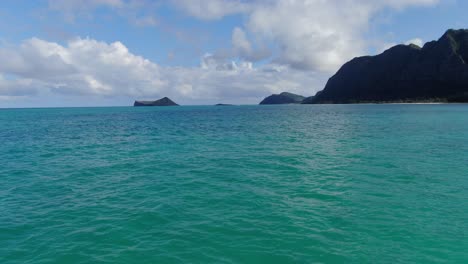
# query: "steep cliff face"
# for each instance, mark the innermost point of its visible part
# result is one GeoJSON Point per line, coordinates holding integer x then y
{"type": "Point", "coordinates": [436, 72]}
{"type": "Point", "coordinates": [161, 102]}
{"type": "Point", "coordinates": [283, 98]}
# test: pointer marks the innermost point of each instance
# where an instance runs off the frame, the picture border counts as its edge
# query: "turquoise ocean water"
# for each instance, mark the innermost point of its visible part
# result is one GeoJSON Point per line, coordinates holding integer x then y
{"type": "Point", "coordinates": [241, 184]}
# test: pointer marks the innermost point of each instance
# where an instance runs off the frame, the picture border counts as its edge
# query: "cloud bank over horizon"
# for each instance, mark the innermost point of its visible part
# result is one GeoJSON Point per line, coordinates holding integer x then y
{"type": "Point", "coordinates": [93, 68]}
{"type": "Point", "coordinates": [279, 45]}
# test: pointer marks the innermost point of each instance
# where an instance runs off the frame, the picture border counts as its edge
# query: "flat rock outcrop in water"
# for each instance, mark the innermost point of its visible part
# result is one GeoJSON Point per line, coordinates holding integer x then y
{"type": "Point", "coordinates": [161, 102]}
{"type": "Point", "coordinates": [283, 98]}
{"type": "Point", "coordinates": [437, 72]}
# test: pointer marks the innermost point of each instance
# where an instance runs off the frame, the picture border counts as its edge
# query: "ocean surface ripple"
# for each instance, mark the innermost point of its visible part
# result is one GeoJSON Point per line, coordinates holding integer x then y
{"type": "Point", "coordinates": [240, 184]}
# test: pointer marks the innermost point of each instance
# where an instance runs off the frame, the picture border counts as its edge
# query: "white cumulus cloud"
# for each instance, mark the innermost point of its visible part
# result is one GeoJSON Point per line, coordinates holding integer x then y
{"type": "Point", "coordinates": [93, 68]}
{"type": "Point", "coordinates": [313, 35]}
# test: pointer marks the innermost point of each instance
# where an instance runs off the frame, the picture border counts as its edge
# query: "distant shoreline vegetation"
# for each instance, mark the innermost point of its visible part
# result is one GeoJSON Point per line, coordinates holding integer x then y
{"type": "Point", "coordinates": [269, 101]}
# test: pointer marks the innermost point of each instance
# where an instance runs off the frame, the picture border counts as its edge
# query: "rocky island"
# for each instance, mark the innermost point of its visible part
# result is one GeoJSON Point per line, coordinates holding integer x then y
{"type": "Point", "coordinates": [437, 72]}
{"type": "Point", "coordinates": [283, 98]}
{"type": "Point", "coordinates": [161, 102]}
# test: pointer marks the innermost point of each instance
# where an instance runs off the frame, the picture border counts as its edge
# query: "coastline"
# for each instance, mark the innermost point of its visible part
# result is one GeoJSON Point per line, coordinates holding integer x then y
{"type": "Point", "coordinates": [411, 102]}
{"type": "Point", "coordinates": [326, 103]}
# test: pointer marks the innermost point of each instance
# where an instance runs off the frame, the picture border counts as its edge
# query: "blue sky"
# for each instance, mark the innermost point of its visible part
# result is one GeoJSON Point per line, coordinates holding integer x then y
{"type": "Point", "coordinates": [111, 52]}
